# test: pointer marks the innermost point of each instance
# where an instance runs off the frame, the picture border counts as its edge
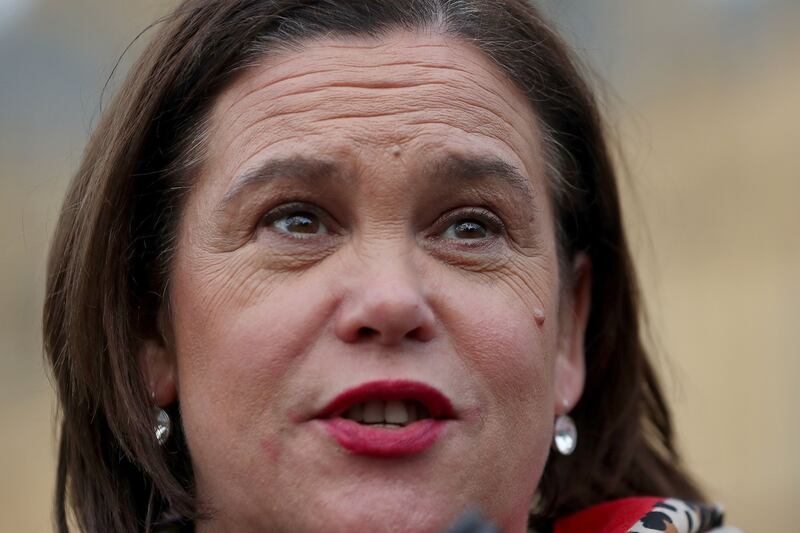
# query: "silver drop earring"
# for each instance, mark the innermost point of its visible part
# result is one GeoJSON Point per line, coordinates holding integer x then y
{"type": "Point", "coordinates": [565, 436]}
{"type": "Point", "coordinates": [162, 425]}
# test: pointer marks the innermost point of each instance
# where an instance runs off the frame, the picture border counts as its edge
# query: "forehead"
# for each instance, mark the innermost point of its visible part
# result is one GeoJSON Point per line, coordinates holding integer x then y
{"type": "Point", "coordinates": [348, 97]}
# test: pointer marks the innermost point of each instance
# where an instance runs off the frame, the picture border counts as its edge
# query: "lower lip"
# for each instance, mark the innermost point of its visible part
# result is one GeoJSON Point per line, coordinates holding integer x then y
{"type": "Point", "coordinates": [384, 442]}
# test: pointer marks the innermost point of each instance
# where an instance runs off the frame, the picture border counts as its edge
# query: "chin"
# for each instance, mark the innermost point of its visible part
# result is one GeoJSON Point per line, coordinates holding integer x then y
{"type": "Point", "coordinates": [373, 514]}
{"type": "Point", "coordinates": [387, 505]}
{"type": "Point", "coordinates": [386, 518]}
{"type": "Point", "coordinates": [365, 501]}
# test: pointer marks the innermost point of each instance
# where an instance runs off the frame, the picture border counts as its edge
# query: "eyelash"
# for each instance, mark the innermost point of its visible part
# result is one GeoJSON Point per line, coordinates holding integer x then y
{"type": "Point", "coordinates": [293, 208]}
{"type": "Point", "coordinates": [494, 226]}
{"type": "Point", "coordinates": [492, 223]}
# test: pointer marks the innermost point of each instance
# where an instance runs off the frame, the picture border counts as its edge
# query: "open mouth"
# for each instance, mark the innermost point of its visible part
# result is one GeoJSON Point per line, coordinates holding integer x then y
{"type": "Point", "coordinates": [389, 403]}
{"type": "Point", "coordinates": [387, 418]}
{"type": "Point", "coordinates": [387, 414]}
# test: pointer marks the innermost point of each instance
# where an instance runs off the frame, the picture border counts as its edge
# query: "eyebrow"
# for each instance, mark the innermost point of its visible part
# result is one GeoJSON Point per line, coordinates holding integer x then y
{"type": "Point", "coordinates": [450, 168]}
{"type": "Point", "coordinates": [457, 168]}
{"type": "Point", "coordinates": [293, 168]}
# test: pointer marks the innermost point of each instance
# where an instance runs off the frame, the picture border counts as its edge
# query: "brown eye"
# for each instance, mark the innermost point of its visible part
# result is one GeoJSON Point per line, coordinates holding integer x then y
{"type": "Point", "coordinates": [466, 229]}
{"type": "Point", "coordinates": [299, 222]}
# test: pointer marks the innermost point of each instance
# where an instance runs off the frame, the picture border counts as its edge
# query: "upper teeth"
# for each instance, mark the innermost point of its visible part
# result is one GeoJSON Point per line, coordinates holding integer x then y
{"type": "Point", "coordinates": [393, 412]}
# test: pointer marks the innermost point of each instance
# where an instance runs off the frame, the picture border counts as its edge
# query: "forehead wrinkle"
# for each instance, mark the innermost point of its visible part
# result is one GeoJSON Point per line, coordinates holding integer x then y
{"type": "Point", "coordinates": [270, 84]}
{"type": "Point", "coordinates": [372, 85]}
{"type": "Point", "coordinates": [274, 83]}
{"type": "Point", "coordinates": [316, 51]}
{"type": "Point", "coordinates": [427, 114]}
{"type": "Point", "coordinates": [515, 121]}
{"type": "Point", "coordinates": [275, 62]}
{"type": "Point", "coordinates": [458, 45]}
{"type": "Point", "coordinates": [243, 96]}
{"type": "Point", "coordinates": [240, 101]}
{"type": "Point", "coordinates": [364, 93]}
{"type": "Point", "coordinates": [484, 128]}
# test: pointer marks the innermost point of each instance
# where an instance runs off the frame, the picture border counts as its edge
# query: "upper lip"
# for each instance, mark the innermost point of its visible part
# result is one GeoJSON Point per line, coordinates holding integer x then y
{"type": "Point", "coordinates": [437, 403]}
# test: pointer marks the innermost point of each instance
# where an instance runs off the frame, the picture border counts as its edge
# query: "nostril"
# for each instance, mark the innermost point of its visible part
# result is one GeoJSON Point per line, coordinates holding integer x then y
{"type": "Point", "coordinates": [365, 332]}
{"type": "Point", "coordinates": [415, 334]}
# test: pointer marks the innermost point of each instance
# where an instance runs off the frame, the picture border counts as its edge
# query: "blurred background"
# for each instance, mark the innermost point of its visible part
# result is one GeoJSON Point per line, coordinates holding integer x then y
{"type": "Point", "coordinates": [704, 99]}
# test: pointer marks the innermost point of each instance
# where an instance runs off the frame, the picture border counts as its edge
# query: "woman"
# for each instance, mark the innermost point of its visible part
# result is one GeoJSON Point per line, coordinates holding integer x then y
{"type": "Point", "coordinates": [335, 266]}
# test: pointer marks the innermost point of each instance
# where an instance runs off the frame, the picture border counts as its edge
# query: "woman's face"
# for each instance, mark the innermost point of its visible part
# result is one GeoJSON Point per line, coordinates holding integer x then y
{"type": "Point", "coordinates": [370, 242]}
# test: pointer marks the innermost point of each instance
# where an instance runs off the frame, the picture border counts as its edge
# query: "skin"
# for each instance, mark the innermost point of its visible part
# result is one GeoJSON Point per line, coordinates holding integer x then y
{"type": "Point", "coordinates": [270, 320]}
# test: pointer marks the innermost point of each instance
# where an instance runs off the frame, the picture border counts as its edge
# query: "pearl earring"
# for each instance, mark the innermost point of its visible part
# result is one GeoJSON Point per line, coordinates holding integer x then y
{"type": "Point", "coordinates": [162, 426]}
{"type": "Point", "coordinates": [565, 436]}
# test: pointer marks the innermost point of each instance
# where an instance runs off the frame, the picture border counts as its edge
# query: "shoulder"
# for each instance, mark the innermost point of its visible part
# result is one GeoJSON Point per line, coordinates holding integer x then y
{"type": "Point", "coordinates": [646, 515]}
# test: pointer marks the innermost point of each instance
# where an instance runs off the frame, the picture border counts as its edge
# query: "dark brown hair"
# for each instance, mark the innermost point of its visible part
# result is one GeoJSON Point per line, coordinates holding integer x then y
{"type": "Point", "coordinates": [109, 265]}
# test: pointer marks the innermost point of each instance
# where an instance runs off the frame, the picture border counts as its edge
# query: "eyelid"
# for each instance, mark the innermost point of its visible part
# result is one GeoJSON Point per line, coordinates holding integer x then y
{"type": "Point", "coordinates": [493, 223]}
{"type": "Point", "coordinates": [288, 208]}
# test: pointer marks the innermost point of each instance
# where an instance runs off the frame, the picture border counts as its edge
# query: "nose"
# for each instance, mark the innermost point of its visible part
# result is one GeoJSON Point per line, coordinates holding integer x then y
{"type": "Point", "coordinates": [386, 304]}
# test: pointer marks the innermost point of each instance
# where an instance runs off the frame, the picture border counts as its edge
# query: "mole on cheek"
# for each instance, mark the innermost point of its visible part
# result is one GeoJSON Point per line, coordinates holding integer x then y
{"type": "Point", "coordinates": [538, 316]}
{"type": "Point", "coordinates": [395, 150]}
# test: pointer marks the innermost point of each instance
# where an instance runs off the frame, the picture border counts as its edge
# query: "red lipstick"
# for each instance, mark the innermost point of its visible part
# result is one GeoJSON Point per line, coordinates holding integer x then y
{"type": "Point", "coordinates": [380, 441]}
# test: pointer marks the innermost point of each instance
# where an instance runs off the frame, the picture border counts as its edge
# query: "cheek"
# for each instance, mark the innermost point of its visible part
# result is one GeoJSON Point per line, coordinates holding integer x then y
{"type": "Point", "coordinates": [509, 358]}
{"type": "Point", "coordinates": [495, 330]}
{"type": "Point", "coordinates": [507, 334]}
{"type": "Point", "coordinates": [239, 339]}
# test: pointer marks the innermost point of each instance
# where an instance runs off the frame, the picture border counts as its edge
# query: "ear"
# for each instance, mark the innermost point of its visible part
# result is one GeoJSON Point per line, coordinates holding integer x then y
{"type": "Point", "coordinates": [158, 367]}
{"type": "Point", "coordinates": [570, 364]}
